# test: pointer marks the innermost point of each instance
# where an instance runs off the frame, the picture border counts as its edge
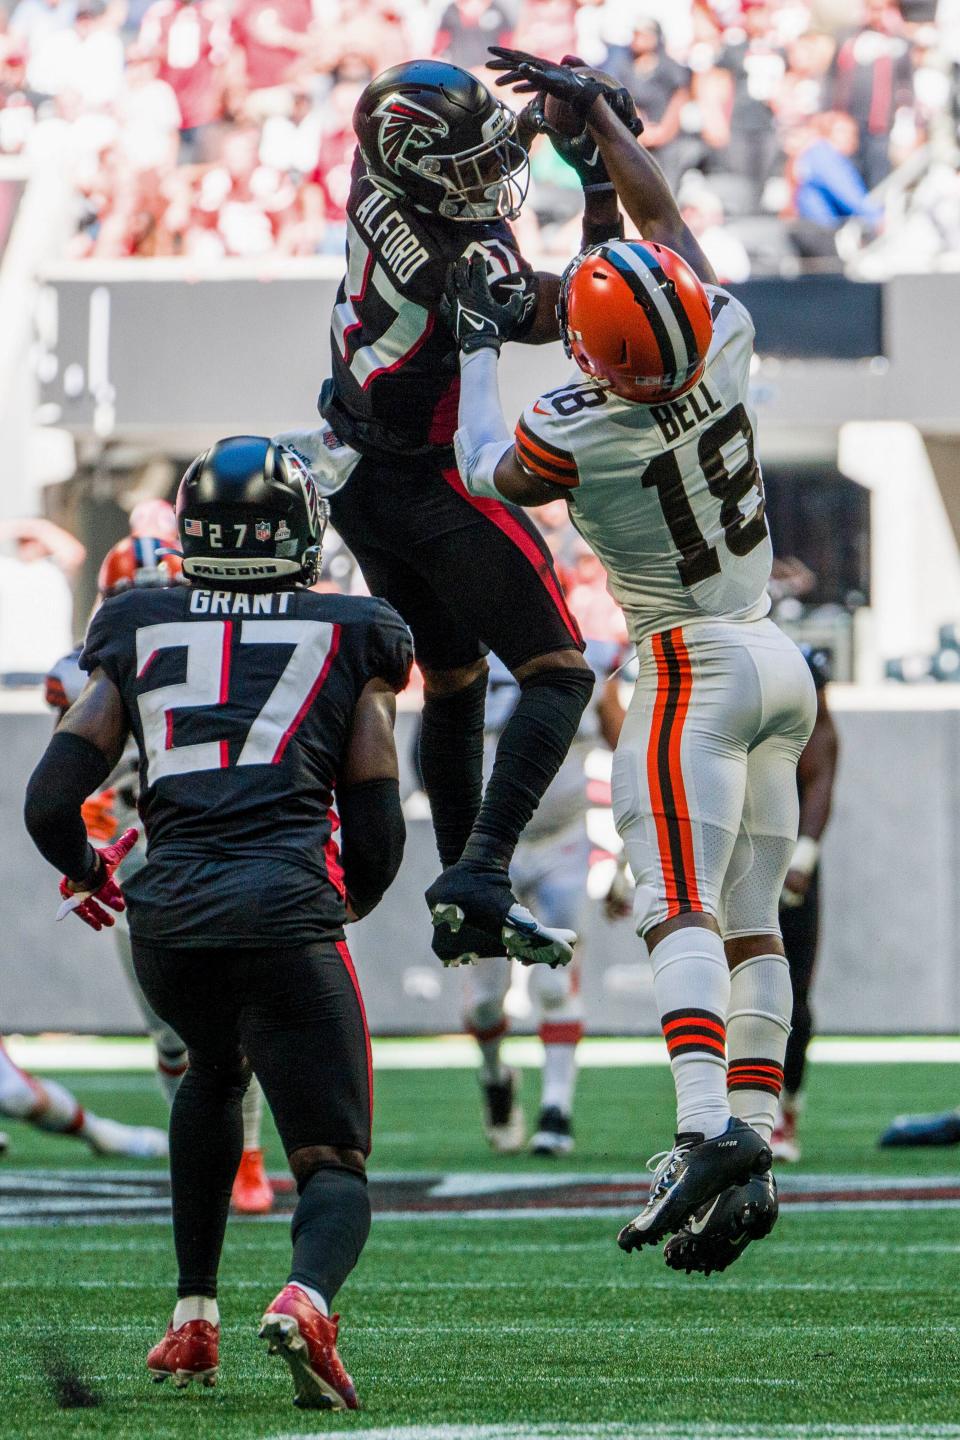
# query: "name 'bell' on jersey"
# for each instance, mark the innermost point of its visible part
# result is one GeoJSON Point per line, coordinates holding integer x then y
{"type": "Point", "coordinates": [396, 373]}
{"type": "Point", "coordinates": [669, 496]}
{"type": "Point", "coordinates": [241, 705]}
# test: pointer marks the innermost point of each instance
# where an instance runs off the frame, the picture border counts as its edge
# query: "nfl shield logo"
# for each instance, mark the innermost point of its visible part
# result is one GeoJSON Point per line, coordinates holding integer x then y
{"type": "Point", "coordinates": [262, 530]}
{"type": "Point", "coordinates": [193, 527]}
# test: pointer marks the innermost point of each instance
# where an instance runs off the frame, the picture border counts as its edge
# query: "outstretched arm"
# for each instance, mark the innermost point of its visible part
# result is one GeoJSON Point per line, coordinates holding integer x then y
{"type": "Point", "coordinates": [644, 192]}
{"type": "Point", "coordinates": [637, 178]}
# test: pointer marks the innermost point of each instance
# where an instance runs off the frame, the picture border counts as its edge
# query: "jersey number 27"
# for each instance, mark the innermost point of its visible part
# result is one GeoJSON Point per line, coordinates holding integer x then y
{"type": "Point", "coordinates": [209, 646]}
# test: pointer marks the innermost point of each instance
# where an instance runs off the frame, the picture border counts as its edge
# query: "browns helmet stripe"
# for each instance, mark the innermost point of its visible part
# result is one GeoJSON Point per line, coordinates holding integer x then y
{"type": "Point", "coordinates": [668, 291]}
{"type": "Point", "coordinates": [660, 292]}
{"type": "Point", "coordinates": [641, 291]}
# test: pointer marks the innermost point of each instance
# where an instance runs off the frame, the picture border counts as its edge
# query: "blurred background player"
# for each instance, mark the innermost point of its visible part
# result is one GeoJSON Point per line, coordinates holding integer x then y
{"type": "Point", "coordinates": [800, 902]}
{"type": "Point", "coordinates": [549, 874]}
{"type": "Point", "coordinates": [146, 560]}
{"type": "Point", "coordinates": [47, 1105]}
{"type": "Point", "coordinates": [942, 1128]}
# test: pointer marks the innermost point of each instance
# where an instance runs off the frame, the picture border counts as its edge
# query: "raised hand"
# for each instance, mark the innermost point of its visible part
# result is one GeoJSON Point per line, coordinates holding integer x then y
{"type": "Point", "coordinates": [529, 74]}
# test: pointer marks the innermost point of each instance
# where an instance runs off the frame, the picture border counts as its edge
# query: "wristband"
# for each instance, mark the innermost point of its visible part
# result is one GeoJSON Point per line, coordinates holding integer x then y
{"type": "Point", "coordinates": [806, 854]}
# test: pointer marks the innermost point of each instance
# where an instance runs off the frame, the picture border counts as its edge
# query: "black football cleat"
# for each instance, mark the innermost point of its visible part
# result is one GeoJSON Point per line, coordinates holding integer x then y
{"type": "Point", "coordinates": [554, 1133]}
{"type": "Point", "coordinates": [717, 1234]}
{"type": "Point", "coordinates": [942, 1129]}
{"type": "Point", "coordinates": [693, 1172]}
{"type": "Point", "coordinates": [503, 1119]}
{"type": "Point", "coordinates": [476, 915]}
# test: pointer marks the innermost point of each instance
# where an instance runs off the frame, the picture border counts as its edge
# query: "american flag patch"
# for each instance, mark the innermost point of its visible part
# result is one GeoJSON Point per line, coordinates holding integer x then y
{"type": "Point", "coordinates": [193, 527]}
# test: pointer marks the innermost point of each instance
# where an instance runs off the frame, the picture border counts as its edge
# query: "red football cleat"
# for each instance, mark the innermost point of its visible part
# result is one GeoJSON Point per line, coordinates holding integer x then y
{"type": "Point", "coordinates": [307, 1340]}
{"type": "Point", "coordinates": [190, 1353]}
{"type": "Point", "coordinates": [252, 1191]}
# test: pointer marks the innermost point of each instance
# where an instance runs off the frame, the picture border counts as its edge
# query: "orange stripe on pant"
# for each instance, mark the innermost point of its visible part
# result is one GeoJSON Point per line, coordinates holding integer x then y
{"type": "Point", "coordinates": [665, 773]}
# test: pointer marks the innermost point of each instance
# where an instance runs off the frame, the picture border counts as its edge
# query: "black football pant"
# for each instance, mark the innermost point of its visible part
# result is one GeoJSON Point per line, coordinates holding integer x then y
{"type": "Point", "coordinates": [295, 1017]}
{"type": "Point", "coordinates": [800, 926]}
{"type": "Point", "coordinates": [468, 575]}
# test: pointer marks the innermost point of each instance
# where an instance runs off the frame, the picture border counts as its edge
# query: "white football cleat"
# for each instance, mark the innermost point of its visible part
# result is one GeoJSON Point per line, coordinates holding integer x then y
{"type": "Point", "coordinates": [528, 940]}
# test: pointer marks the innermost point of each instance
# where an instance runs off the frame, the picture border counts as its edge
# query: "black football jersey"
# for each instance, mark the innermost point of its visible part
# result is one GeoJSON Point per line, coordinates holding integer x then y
{"type": "Point", "coordinates": [396, 374]}
{"type": "Point", "coordinates": [241, 706]}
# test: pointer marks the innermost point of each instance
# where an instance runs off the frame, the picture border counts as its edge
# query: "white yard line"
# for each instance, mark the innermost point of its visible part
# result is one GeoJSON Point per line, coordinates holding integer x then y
{"type": "Point", "coordinates": [458, 1052]}
{"type": "Point", "coordinates": [815, 1430]}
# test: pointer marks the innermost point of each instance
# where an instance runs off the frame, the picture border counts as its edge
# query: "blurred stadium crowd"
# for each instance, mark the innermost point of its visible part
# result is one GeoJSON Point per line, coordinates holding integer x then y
{"type": "Point", "coordinates": [212, 128]}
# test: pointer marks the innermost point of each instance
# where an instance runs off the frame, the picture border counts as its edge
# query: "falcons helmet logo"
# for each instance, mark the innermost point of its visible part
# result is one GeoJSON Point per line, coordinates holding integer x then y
{"type": "Point", "coordinates": [406, 126]}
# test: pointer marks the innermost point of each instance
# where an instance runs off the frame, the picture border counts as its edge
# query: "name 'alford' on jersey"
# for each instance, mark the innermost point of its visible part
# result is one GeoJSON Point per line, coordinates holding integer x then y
{"type": "Point", "coordinates": [670, 497]}
{"type": "Point", "coordinates": [396, 379]}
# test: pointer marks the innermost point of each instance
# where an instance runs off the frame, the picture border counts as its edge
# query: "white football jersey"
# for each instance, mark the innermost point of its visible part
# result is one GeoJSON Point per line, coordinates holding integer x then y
{"type": "Point", "coordinates": [668, 496]}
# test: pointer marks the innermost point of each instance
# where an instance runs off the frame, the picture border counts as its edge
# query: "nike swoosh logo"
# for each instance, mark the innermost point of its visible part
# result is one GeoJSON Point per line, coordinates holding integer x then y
{"type": "Point", "coordinates": [697, 1227]}
{"type": "Point", "coordinates": [538, 411]}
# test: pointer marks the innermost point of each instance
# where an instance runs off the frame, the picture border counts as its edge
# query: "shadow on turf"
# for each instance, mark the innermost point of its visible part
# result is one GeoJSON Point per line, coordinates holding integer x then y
{"type": "Point", "coordinates": [69, 1391]}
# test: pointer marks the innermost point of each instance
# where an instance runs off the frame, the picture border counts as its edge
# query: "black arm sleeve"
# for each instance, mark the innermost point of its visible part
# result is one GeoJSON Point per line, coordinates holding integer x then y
{"type": "Point", "coordinates": [70, 769]}
{"type": "Point", "coordinates": [372, 833]}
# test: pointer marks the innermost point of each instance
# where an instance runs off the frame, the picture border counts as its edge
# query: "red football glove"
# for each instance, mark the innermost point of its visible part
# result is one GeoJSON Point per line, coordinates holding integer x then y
{"type": "Point", "coordinates": [88, 905]}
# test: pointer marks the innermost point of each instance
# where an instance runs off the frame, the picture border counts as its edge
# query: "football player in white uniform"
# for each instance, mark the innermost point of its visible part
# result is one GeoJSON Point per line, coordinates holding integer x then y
{"type": "Point", "coordinates": [549, 872]}
{"type": "Point", "coordinates": [652, 444]}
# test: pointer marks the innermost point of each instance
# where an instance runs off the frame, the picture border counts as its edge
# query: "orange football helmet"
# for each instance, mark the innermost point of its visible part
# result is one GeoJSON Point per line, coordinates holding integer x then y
{"type": "Point", "coordinates": [635, 316]}
{"type": "Point", "coordinates": [138, 561]}
{"type": "Point", "coordinates": [154, 518]}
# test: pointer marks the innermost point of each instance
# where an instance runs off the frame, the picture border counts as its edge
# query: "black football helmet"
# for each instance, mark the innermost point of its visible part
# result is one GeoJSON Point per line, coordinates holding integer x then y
{"type": "Point", "coordinates": [249, 516]}
{"type": "Point", "coordinates": [433, 134]}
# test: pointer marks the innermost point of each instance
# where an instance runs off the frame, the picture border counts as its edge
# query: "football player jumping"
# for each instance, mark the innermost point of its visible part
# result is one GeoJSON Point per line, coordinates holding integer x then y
{"type": "Point", "coordinates": [251, 704]}
{"type": "Point", "coordinates": [653, 447]}
{"type": "Point", "coordinates": [145, 560]}
{"type": "Point", "coordinates": [439, 171]}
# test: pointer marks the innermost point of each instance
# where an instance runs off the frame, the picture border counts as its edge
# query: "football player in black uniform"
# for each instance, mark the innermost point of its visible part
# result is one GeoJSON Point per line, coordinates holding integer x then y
{"type": "Point", "coordinates": [439, 171]}
{"type": "Point", "coordinates": [253, 702]}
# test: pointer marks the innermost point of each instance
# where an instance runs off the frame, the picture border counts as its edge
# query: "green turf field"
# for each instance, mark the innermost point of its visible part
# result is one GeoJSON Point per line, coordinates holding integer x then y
{"type": "Point", "coordinates": [844, 1323]}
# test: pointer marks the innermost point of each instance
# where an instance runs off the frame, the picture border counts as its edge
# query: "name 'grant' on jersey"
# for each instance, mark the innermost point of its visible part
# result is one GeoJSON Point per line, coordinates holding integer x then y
{"type": "Point", "coordinates": [670, 497]}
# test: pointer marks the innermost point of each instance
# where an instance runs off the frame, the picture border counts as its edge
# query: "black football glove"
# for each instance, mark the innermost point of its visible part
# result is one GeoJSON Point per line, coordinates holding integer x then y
{"type": "Point", "coordinates": [529, 74]}
{"type": "Point", "coordinates": [580, 152]}
{"type": "Point", "coordinates": [477, 318]}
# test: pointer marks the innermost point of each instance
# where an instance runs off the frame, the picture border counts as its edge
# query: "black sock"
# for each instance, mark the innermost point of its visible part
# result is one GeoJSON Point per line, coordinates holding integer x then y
{"type": "Point", "coordinates": [206, 1141]}
{"type": "Point", "coordinates": [330, 1227]}
{"type": "Point", "coordinates": [451, 763]}
{"type": "Point", "coordinates": [531, 750]}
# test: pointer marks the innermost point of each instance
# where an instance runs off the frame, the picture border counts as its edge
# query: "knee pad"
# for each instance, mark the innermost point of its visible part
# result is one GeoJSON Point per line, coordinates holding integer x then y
{"type": "Point", "coordinates": [488, 984]}
{"type": "Point", "coordinates": [553, 990]}
{"type": "Point", "coordinates": [310, 1159]}
{"type": "Point", "coordinates": [18, 1097]}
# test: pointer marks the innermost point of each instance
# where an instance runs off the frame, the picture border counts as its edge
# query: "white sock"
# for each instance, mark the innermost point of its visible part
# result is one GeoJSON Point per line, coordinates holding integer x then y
{"type": "Point", "coordinates": [559, 1074]}
{"type": "Point", "coordinates": [195, 1307]}
{"type": "Point", "coordinates": [313, 1296]}
{"type": "Point", "coordinates": [488, 982]}
{"type": "Point", "coordinates": [252, 1115]}
{"type": "Point", "coordinates": [691, 983]}
{"type": "Point", "coordinates": [758, 1026]}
